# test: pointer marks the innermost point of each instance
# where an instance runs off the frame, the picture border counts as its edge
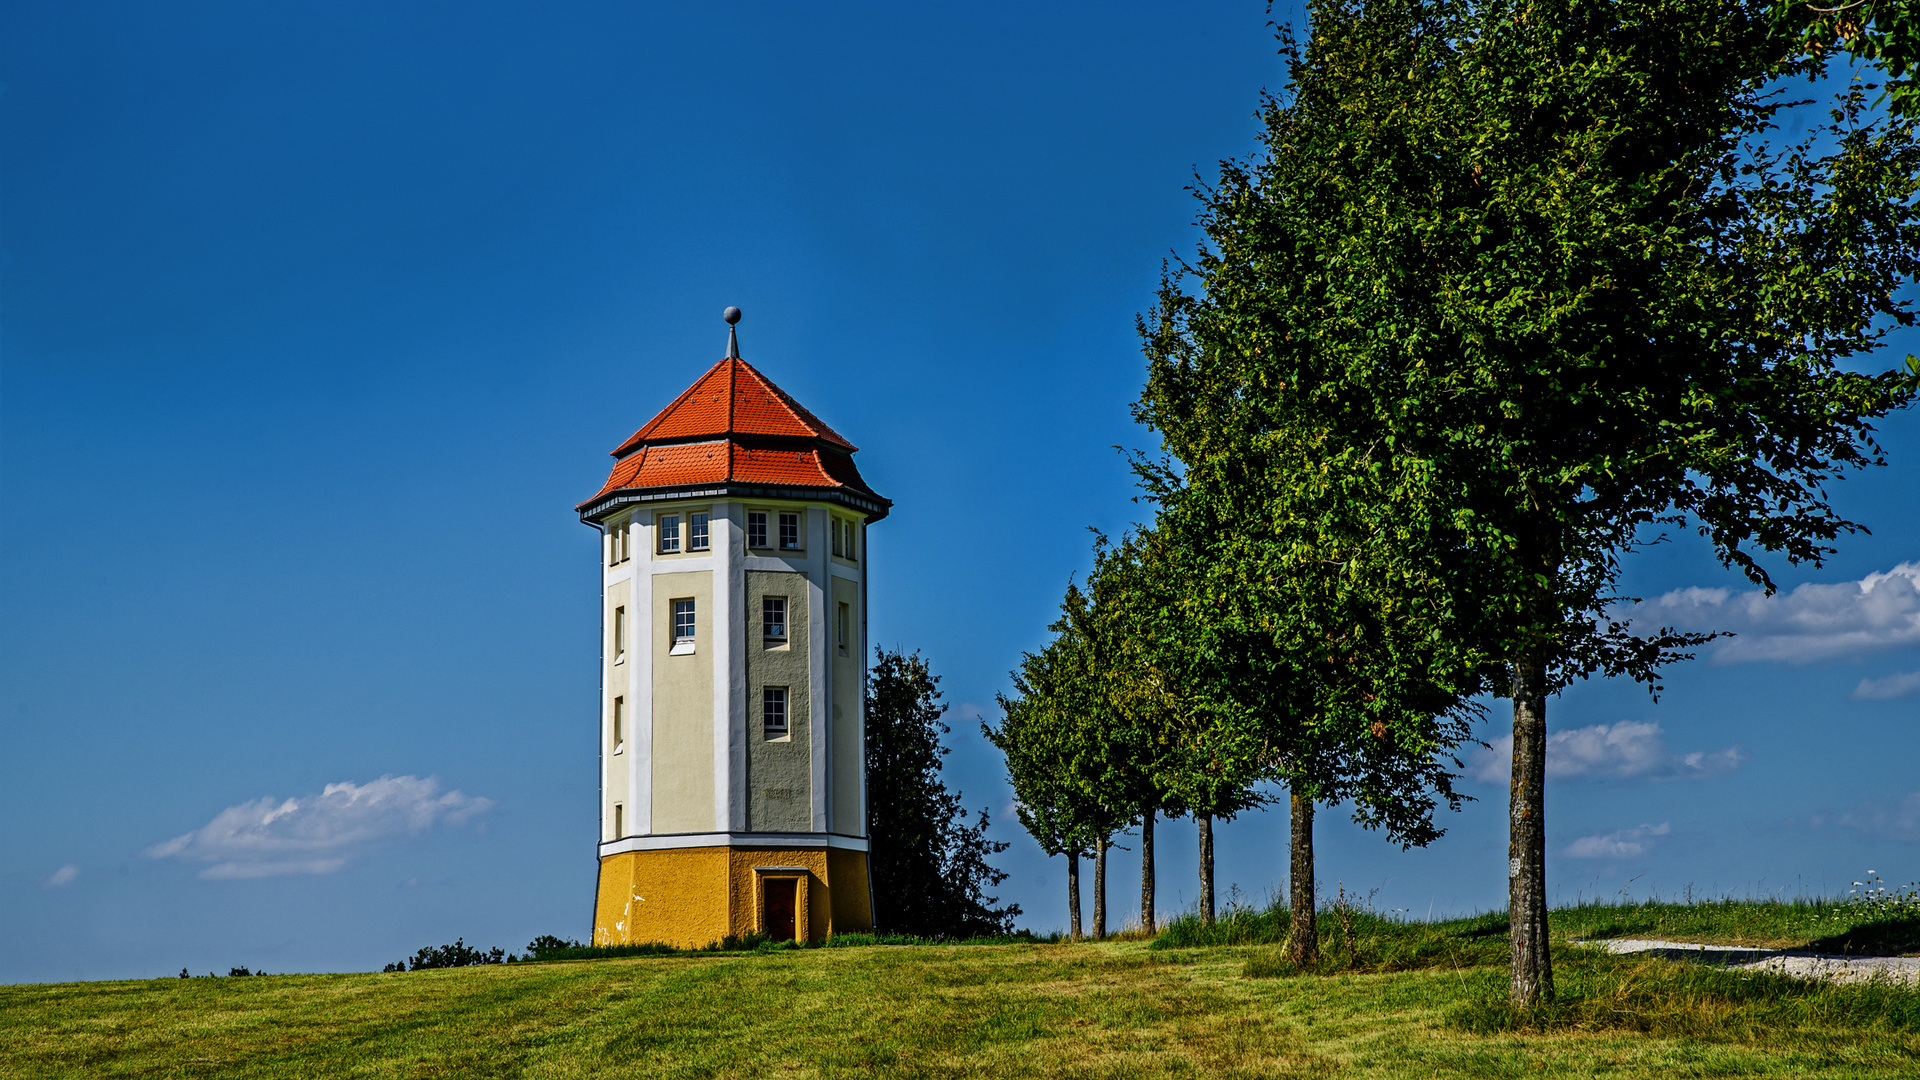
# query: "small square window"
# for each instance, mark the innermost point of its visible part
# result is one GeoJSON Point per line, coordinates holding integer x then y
{"type": "Point", "coordinates": [619, 724]}
{"type": "Point", "coordinates": [773, 711]}
{"type": "Point", "coordinates": [789, 532]}
{"type": "Point", "coordinates": [619, 634]}
{"type": "Point", "coordinates": [683, 626]}
{"type": "Point", "coordinates": [773, 619]}
{"type": "Point", "coordinates": [756, 528]}
{"type": "Point", "coordinates": [697, 532]}
{"type": "Point", "coordinates": [669, 533]}
{"type": "Point", "coordinates": [841, 626]}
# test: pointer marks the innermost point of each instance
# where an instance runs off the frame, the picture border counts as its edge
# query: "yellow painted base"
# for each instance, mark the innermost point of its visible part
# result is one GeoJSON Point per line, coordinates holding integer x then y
{"type": "Point", "coordinates": [691, 897]}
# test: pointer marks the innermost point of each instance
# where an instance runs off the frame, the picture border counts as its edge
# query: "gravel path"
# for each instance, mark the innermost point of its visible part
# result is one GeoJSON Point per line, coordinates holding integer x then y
{"type": "Point", "coordinates": [1799, 964]}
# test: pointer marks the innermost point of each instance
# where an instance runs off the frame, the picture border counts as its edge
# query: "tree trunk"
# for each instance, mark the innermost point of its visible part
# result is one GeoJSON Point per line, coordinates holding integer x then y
{"type": "Point", "coordinates": [1100, 888]}
{"type": "Point", "coordinates": [1146, 871]}
{"type": "Point", "coordinates": [1527, 843]}
{"type": "Point", "coordinates": [1303, 935]}
{"type": "Point", "coordinates": [1073, 896]}
{"type": "Point", "coordinates": [1206, 867]}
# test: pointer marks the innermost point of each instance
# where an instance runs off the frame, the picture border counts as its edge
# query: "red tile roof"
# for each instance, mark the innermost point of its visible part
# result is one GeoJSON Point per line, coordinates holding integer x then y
{"type": "Point", "coordinates": [733, 426]}
{"type": "Point", "coordinates": [733, 399]}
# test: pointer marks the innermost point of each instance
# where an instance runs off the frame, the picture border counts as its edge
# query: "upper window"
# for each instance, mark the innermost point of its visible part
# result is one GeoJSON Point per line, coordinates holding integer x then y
{"type": "Point", "coordinates": [850, 528]}
{"type": "Point", "coordinates": [773, 711]}
{"type": "Point", "coordinates": [773, 619]}
{"type": "Point", "coordinates": [619, 724]}
{"type": "Point", "coordinates": [683, 626]}
{"type": "Point", "coordinates": [833, 527]}
{"type": "Point", "coordinates": [619, 634]}
{"type": "Point", "coordinates": [697, 532]}
{"type": "Point", "coordinates": [789, 532]}
{"type": "Point", "coordinates": [756, 528]}
{"type": "Point", "coordinates": [619, 542]}
{"type": "Point", "coordinates": [669, 533]}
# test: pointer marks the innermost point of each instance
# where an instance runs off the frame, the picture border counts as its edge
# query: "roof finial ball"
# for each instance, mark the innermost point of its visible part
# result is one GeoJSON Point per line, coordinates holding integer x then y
{"type": "Point", "coordinates": [732, 315]}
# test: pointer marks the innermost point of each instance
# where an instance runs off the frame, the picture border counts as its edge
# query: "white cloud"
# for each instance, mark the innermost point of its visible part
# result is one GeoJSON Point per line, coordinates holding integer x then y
{"type": "Point", "coordinates": [1813, 622]}
{"type": "Point", "coordinates": [1628, 750]}
{"type": "Point", "coordinates": [1893, 819]}
{"type": "Point", "coordinates": [1624, 844]}
{"type": "Point", "coordinates": [317, 835]}
{"type": "Point", "coordinates": [1887, 688]}
{"type": "Point", "coordinates": [62, 877]}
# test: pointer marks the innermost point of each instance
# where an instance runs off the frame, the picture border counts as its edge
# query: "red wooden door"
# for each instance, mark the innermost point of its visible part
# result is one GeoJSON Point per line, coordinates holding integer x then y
{"type": "Point", "coordinates": [779, 896]}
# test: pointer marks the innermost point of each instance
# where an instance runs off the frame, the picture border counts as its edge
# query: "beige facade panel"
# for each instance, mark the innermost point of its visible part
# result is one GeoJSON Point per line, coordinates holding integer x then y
{"type": "Point", "coordinates": [780, 790]}
{"type": "Point", "coordinates": [683, 795]}
{"type": "Point", "coordinates": [845, 648]}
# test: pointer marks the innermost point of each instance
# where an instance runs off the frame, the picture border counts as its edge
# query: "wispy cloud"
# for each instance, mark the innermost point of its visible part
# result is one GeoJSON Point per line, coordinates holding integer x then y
{"type": "Point", "coordinates": [1624, 844]}
{"type": "Point", "coordinates": [62, 877]}
{"type": "Point", "coordinates": [1891, 819]}
{"type": "Point", "coordinates": [1889, 687]}
{"type": "Point", "coordinates": [1628, 750]}
{"type": "Point", "coordinates": [1812, 622]}
{"type": "Point", "coordinates": [317, 834]}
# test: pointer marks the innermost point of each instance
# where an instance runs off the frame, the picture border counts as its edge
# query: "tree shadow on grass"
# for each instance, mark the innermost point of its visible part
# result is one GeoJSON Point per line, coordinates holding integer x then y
{"type": "Point", "coordinates": [1882, 937]}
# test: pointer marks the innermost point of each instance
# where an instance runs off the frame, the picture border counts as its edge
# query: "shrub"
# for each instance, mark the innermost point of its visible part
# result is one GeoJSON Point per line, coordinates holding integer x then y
{"type": "Point", "coordinates": [458, 954]}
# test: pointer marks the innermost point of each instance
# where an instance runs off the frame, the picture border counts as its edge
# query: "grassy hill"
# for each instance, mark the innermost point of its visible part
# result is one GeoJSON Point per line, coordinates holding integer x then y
{"type": "Point", "coordinates": [1392, 999]}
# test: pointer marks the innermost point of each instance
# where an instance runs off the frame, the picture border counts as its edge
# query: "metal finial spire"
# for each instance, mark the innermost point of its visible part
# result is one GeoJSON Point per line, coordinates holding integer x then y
{"type": "Point", "coordinates": [732, 315]}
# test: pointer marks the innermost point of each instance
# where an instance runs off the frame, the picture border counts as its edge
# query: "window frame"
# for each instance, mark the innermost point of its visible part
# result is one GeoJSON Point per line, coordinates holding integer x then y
{"type": "Point", "coordinates": [700, 530]}
{"type": "Point", "coordinates": [619, 723]}
{"type": "Point", "coordinates": [761, 544]}
{"type": "Point", "coordinates": [684, 643]}
{"type": "Point", "coordinates": [799, 532]}
{"type": "Point", "coordinates": [668, 528]}
{"type": "Point", "coordinates": [776, 700]}
{"type": "Point", "coordinates": [767, 636]}
{"type": "Point", "coordinates": [620, 634]}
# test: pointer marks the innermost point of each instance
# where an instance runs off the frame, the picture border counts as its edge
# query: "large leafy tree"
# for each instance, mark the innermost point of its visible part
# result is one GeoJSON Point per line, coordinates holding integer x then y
{"type": "Point", "coordinates": [1042, 734]}
{"type": "Point", "coordinates": [929, 865]}
{"type": "Point", "coordinates": [1512, 285]}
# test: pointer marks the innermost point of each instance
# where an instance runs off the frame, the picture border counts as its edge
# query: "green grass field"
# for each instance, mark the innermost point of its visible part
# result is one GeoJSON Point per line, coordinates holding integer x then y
{"type": "Point", "coordinates": [1391, 999]}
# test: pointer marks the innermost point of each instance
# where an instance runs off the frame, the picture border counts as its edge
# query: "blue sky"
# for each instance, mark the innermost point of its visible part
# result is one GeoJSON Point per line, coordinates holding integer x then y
{"type": "Point", "coordinates": [316, 320]}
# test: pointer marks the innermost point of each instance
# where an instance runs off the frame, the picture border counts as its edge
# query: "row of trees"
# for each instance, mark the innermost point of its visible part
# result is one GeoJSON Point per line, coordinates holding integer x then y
{"type": "Point", "coordinates": [1511, 287]}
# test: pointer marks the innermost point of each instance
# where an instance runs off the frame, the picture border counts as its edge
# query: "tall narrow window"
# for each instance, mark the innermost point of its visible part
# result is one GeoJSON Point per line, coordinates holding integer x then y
{"type": "Point", "coordinates": [841, 629]}
{"type": "Point", "coordinates": [697, 532]}
{"type": "Point", "coordinates": [773, 711]}
{"type": "Point", "coordinates": [619, 820]}
{"type": "Point", "coordinates": [613, 546]}
{"type": "Point", "coordinates": [619, 634]}
{"type": "Point", "coordinates": [850, 531]}
{"type": "Point", "coordinates": [834, 527]}
{"type": "Point", "coordinates": [669, 533]}
{"type": "Point", "coordinates": [789, 532]}
{"type": "Point", "coordinates": [756, 528]}
{"type": "Point", "coordinates": [682, 626]}
{"type": "Point", "coordinates": [619, 724]}
{"type": "Point", "coordinates": [773, 619]}
{"type": "Point", "coordinates": [626, 540]}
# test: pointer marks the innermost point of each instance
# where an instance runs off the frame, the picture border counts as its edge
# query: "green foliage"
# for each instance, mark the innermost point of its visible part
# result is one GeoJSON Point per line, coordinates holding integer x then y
{"type": "Point", "coordinates": [458, 954]}
{"type": "Point", "coordinates": [1510, 288]}
{"type": "Point", "coordinates": [929, 866]}
{"type": "Point", "coordinates": [1885, 33]}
